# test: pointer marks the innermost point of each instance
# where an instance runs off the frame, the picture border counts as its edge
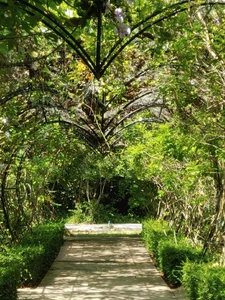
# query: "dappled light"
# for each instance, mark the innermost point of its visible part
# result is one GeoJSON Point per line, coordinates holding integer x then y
{"type": "Point", "coordinates": [111, 113]}
{"type": "Point", "coordinates": [101, 268]}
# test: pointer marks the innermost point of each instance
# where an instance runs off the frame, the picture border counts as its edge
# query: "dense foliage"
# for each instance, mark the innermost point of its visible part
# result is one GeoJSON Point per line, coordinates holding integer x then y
{"type": "Point", "coordinates": [204, 281]}
{"type": "Point", "coordinates": [9, 276]}
{"type": "Point", "coordinates": [26, 262]}
{"type": "Point", "coordinates": [182, 262]}
{"type": "Point", "coordinates": [169, 250]}
{"type": "Point", "coordinates": [112, 107]}
{"type": "Point", "coordinates": [171, 257]}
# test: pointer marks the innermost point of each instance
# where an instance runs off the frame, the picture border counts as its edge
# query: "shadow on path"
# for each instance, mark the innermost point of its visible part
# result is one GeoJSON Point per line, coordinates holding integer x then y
{"type": "Point", "coordinates": [103, 268]}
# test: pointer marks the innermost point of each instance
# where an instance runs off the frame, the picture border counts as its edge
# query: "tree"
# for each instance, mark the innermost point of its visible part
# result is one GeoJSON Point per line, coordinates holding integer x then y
{"type": "Point", "coordinates": [92, 70]}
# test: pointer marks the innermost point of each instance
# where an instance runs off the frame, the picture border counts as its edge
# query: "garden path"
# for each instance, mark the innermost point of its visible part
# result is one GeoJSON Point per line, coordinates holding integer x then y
{"type": "Point", "coordinates": [102, 267]}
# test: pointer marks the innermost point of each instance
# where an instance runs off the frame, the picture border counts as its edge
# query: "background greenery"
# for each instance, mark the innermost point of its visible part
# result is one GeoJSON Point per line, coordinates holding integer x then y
{"type": "Point", "coordinates": [110, 128]}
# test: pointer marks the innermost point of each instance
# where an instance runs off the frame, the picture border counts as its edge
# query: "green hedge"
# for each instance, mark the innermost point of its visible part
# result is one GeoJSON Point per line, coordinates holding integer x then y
{"type": "Point", "coordinates": [172, 256]}
{"type": "Point", "coordinates": [204, 281]}
{"type": "Point", "coordinates": [153, 232]}
{"type": "Point", "coordinates": [27, 262]}
{"type": "Point", "coordinates": [10, 267]}
{"type": "Point", "coordinates": [50, 236]}
{"type": "Point", "coordinates": [38, 250]}
{"type": "Point", "coordinates": [169, 255]}
{"type": "Point", "coordinates": [33, 268]}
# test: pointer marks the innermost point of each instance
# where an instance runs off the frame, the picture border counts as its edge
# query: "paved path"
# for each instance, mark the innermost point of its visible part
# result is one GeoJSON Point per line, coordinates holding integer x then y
{"type": "Point", "coordinates": [102, 268]}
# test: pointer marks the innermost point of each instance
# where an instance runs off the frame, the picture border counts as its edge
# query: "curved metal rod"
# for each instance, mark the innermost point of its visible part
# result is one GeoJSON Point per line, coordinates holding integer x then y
{"type": "Point", "coordinates": [56, 27]}
{"type": "Point", "coordinates": [106, 64]}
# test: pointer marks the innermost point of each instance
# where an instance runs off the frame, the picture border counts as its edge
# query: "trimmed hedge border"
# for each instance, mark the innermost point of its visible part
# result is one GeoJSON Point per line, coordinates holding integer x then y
{"type": "Point", "coordinates": [183, 264]}
{"type": "Point", "coordinates": [169, 255]}
{"type": "Point", "coordinates": [153, 232]}
{"type": "Point", "coordinates": [172, 256]}
{"type": "Point", "coordinates": [26, 263]}
{"type": "Point", "coordinates": [10, 267]}
{"type": "Point", "coordinates": [38, 250]}
{"type": "Point", "coordinates": [204, 281]}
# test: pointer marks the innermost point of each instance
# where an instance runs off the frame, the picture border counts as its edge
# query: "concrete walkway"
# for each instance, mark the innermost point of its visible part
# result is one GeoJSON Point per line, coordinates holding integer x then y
{"type": "Point", "coordinates": [102, 268]}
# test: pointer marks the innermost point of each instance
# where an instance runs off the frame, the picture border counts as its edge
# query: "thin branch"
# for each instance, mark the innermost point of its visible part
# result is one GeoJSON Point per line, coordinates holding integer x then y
{"type": "Point", "coordinates": [13, 94]}
{"type": "Point", "coordinates": [141, 31]}
{"type": "Point", "coordinates": [145, 120]}
{"type": "Point", "coordinates": [127, 105]}
{"type": "Point", "coordinates": [56, 27]}
{"type": "Point", "coordinates": [127, 116]}
{"type": "Point", "coordinates": [31, 59]}
{"type": "Point", "coordinates": [114, 56]}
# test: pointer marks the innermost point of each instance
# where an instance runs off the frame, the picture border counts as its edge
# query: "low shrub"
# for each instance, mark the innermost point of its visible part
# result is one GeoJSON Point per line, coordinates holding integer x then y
{"type": "Point", "coordinates": [203, 281]}
{"type": "Point", "coordinates": [26, 263]}
{"type": "Point", "coordinates": [44, 234]}
{"type": "Point", "coordinates": [191, 274]}
{"type": "Point", "coordinates": [10, 268]}
{"type": "Point", "coordinates": [153, 232]}
{"type": "Point", "coordinates": [38, 250]}
{"type": "Point", "coordinates": [33, 266]}
{"type": "Point", "coordinates": [98, 213]}
{"type": "Point", "coordinates": [171, 257]}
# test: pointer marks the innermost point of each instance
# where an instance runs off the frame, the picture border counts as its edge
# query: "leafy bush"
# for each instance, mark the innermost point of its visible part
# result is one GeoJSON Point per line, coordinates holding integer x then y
{"type": "Point", "coordinates": [172, 256]}
{"type": "Point", "coordinates": [10, 268]}
{"type": "Point", "coordinates": [33, 264]}
{"type": "Point", "coordinates": [27, 262]}
{"type": "Point", "coordinates": [38, 250]}
{"type": "Point", "coordinates": [204, 281]}
{"type": "Point", "coordinates": [44, 234]}
{"type": "Point", "coordinates": [153, 232]}
{"type": "Point", "coordinates": [78, 216]}
{"type": "Point", "coordinates": [98, 213]}
{"type": "Point", "coordinates": [191, 274]}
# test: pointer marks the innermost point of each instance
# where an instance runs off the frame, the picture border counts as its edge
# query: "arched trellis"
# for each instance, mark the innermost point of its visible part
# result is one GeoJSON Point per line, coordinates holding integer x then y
{"type": "Point", "coordinates": [100, 133]}
{"type": "Point", "coordinates": [94, 134]}
{"type": "Point", "coordinates": [98, 66]}
{"type": "Point", "coordinates": [19, 202]}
